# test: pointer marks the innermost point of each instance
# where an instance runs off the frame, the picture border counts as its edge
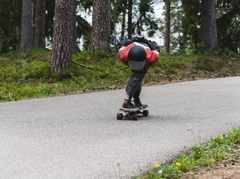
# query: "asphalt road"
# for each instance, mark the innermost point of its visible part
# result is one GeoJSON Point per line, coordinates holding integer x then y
{"type": "Point", "coordinates": [78, 136]}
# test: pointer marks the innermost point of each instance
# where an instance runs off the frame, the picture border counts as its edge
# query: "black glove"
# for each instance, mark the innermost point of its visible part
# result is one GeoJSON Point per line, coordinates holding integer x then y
{"type": "Point", "coordinates": [125, 42]}
{"type": "Point", "coordinates": [153, 46]}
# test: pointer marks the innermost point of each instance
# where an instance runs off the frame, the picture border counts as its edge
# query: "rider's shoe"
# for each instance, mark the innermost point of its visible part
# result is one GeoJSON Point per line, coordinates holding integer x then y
{"type": "Point", "coordinates": [138, 103]}
{"type": "Point", "coordinates": [128, 105]}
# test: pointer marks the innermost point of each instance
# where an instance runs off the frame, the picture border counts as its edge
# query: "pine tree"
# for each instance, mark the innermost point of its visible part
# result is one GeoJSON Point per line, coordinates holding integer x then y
{"type": "Point", "coordinates": [26, 25]}
{"type": "Point", "coordinates": [209, 26]}
{"type": "Point", "coordinates": [100, 40]}
{"type": "Point", "coordinates": [39, 23]}
{"type": "Point", "coordinates": [64, 39]}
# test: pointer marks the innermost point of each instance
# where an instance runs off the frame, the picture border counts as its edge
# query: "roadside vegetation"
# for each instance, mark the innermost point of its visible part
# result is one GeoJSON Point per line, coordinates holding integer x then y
{"type": "Point", "coordinates": [224, 149]}
{"type": "Point", "coordinates": [28, 75]}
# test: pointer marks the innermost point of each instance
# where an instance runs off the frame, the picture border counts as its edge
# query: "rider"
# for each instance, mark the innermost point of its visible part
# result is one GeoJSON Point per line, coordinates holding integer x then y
{"type": "Point", "coordinates": [138, 54]}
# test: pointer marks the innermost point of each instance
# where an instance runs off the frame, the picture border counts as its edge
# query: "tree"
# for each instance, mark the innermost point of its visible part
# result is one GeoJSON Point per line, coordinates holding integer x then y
{"type": "Point", "coordinates": [64, 37]}
{"type": "Point", "coordinates": [209, 26]}
{"type": "Point", "coordinates": [123, 23]}
{"type": "Point", "coordinates": [26, 41]}
{"type": "Point", "coordinates": [10, 23]}
{"type": "Point", "coordinates": [130, 24]}
{"type": "Point", "coordinates": [118, 16]}
{"type": "Point", "coordinates": [228, 20]}
{"type": "Point", "coordinates": [190, 24]}
{"type": "Point", "coordinates": [133, 17]}
{"type": "Point", "coordinates": [39, 25]}
{"type": "Point", "coordinates": [167, 26]}
{"type": "Point", "coordinates": [100, 40]}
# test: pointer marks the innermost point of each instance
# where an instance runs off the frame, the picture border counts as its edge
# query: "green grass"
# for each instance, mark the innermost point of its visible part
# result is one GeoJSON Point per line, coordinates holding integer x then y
{"type": "Point", "coordinates": [28, 75]}
{"type": "Point", "coordinates": [221, 149]}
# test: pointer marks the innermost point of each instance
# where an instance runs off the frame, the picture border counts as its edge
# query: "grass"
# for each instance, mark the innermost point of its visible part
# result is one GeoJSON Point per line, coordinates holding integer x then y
{"type": "Point", "coordinates": [28, 75]}
{"type": "Point", "coordinates": [221, 149]}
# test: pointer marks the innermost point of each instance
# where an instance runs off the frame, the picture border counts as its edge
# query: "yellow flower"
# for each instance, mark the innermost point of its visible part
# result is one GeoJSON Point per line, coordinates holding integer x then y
{"type": "Point", "coordinates": [178, 164]}
{"type": "Point", "coordinates": [221, 137]}
{"type": "Point", "coordinates": [157, 165]}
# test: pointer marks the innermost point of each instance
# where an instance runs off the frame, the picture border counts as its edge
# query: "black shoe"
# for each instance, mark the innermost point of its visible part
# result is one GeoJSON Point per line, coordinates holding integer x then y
{"type": "Point", "coordinates": [138, 103]}
{"type": "Point", "coordinates": [128, 105]}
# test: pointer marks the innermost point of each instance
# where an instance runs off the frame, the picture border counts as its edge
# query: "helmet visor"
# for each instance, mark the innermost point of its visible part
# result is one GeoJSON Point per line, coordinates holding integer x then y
{"type": "Point", "coordinates": [136, 65]}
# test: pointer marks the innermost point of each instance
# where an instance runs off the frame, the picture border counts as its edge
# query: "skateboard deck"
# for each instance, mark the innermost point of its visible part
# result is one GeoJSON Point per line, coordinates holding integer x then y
{"type": "Point", "coordinates": [133, 113]}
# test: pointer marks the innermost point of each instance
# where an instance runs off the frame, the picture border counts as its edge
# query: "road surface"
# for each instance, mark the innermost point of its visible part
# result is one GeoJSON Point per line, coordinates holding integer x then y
{"type": "Point", "coordinates": [78, 136]}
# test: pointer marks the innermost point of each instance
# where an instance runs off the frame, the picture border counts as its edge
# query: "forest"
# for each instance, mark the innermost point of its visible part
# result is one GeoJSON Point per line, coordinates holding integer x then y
{"type": "Point", "coordinates": [183, 25]}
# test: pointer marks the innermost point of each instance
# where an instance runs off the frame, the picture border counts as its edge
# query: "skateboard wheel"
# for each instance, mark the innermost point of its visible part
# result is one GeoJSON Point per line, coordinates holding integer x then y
{"type": "Point", "coordinates": [134, 116]}
{"type": "Point", "coordinates": [119, 116]}
{"type": "Point", "coordinates": [145, 113]}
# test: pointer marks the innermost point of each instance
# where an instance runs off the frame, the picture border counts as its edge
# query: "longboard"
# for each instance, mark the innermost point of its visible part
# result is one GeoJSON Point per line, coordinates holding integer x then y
{"type": "Point", "coordinates": [132, 113]}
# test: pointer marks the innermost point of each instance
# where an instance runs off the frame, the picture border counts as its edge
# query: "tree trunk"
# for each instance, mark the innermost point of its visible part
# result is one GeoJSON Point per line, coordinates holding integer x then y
{"type": "Point", "coordinates": [123, 23]}
{"type": "Point", "coordinates": [39, 30]}
{"type": "Point", "coordinates": [167, 27]}
{"type": "Point", "coordinates": [101, 25]}
{"type": "Point", "coordinates": [209, 27]}
{"type": "Point", "coordinates": [130, 32]}
{"type": "Point", "coordinates": [26, 41]}
{"type": "Point", "coordinates": [64, 39]}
